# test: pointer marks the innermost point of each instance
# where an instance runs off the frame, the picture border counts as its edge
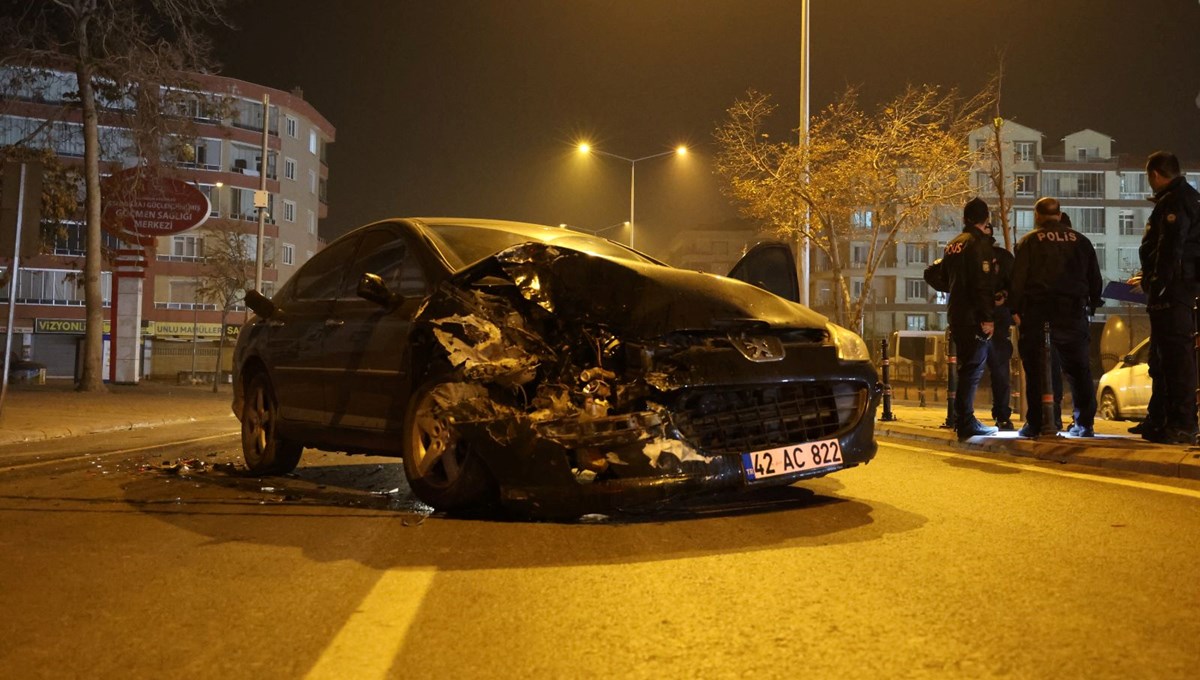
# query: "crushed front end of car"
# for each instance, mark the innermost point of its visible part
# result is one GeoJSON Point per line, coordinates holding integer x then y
{"type": "Point", "coordinates": [590, 384]}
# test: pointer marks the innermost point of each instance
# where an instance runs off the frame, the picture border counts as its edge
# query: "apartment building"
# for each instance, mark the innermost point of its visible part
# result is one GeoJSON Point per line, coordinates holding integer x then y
{"type": "Point", "coordinates": [224, 160]}
{"type": "Point", "coordinates": [1104, 193]}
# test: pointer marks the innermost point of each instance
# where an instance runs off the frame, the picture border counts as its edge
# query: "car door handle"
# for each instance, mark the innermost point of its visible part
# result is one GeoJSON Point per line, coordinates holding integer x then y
{"type": "Point", "coordinates": [334, 323]}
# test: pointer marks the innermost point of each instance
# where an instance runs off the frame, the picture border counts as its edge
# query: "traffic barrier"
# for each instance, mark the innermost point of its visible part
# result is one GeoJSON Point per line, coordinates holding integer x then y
{"type": "Point", "coordinates": [1049, 422]}
{"type": "Point", "coordinates": [887, 415]}
{"type": "Point", "coordinates": [951, 381]}
{"type": "Point", "coordinates": [1196, 351]}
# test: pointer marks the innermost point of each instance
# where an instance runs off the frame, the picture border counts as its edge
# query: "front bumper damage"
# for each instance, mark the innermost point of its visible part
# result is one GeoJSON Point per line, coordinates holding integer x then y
{"type": "Point", "coordinates": [575, 413]}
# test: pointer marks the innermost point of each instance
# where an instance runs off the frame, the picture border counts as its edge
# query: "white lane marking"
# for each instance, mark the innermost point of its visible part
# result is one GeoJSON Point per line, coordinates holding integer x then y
{"type": "Point", "coordinates": [106, 454]}
{"type": "Point", "coordinates": [1149, 486]}
{"type": "Point", "coordinates": [366, 647]}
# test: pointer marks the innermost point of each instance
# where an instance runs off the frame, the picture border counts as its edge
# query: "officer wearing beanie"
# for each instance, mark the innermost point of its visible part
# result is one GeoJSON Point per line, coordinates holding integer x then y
{"type": "Point", "coordinates": [971, 270]}
{"type": "Point", "coordinates": [1056, 279]}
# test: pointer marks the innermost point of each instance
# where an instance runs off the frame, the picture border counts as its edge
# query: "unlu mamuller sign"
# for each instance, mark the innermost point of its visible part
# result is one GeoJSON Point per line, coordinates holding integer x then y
{"type": "Point", "coordinates": [140, 206]}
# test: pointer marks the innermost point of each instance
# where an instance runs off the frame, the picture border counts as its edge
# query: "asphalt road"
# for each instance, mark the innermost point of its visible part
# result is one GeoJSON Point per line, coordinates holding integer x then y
{"type": "Point", "coordinates": [923, 564]}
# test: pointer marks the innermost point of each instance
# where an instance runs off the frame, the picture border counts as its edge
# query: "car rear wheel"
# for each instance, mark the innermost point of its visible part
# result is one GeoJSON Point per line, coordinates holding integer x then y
{"type": "Point", "coordinates": [265, 451]}
{"type": "Point", "coordinates": [1109, 408]}
{"type": "Point", "coordinates": [442, 469]}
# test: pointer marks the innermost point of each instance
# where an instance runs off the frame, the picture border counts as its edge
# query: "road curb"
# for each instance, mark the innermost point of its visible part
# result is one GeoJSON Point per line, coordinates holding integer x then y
{"type": "Point", "coordinates": [1129, 456]}
{"type": "Point", "coordinates": [29, 437]}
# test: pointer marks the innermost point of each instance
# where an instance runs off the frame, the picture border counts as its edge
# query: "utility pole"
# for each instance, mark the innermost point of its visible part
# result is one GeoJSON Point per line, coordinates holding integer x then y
{"type": "Point", "coordinates": [805, 253]}
{"type": "Point", "coordinates": [260, 197]}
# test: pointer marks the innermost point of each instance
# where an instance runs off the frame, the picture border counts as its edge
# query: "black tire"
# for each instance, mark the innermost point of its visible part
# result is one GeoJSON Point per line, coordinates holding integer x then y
{"type": "Point", "coordinates": [442, 469]}
{"type": "Point", "coordinates": [1110, 408]}
{"type": "Point", "coordinates": [265, 452]}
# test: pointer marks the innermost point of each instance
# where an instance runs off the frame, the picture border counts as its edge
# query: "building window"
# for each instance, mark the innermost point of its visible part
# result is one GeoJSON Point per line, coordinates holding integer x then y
{"type": "Point", "coordinates": [856, 287]}
{"type": "Point", "coordinates": [289, 168]}
{"type": "Point", "coordinates": [1126, 223]}
{"type": "Point", "coordinates": [1073, 184]}
{"type": "Point", "coordinates": [916, 322]}
{"type": "Point", "coordinates": [915, 289]}
{"type": "Point", "coordinates": [1101, 254]}
{"type": "Point", "coordinates": [1086, 220]}
{"type": "Point", "coordinates": [289, 253]}
{"type": "Point", "coordinates": [916, 253]}
{"type": "Point", "coordinates": [983, 182]}
{"type": "Point", "coordinates": [58, 287]}
{"type": "Point", "coordinates": [1134, 186]}
{"type": "Point", "coordinates": [863, 219]}
{"type": "Point", "coordinates": [292, 125]}
{"type": "Point", "coordinates": [1024, 151]}
{"type": "Point", "coordinates": [1022, 222]}
{"type": "Point", "coordinates": [858, 255]}
{"type": "Point", "coordinates": [312, 142]}
{"type": "Point", "coordinates": [312, 182]}
{"type": "Point", "coordinates": [1025, 184]}
{"type": "Point", "coordinates": [187, 247]}
{"type": "Point", "coordinates": [1128, 260]}
{"type": "Point", "coordinates": [289, 211]}
{"type": "Point", "coordinates": [312, 222]}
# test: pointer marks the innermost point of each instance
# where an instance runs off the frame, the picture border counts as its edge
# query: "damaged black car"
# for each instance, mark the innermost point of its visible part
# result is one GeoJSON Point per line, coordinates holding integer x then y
{"type": "Point", "coordinates": [548, 371]}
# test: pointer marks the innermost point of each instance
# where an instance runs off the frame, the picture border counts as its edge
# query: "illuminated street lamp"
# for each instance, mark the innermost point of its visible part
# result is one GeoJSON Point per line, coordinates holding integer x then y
{"type": "Point", "coordinates": [586, 148]}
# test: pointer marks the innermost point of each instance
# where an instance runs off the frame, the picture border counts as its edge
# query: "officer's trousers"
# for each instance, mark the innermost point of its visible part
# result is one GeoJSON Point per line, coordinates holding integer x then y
{"type": "Point", "coordinates": [971, 348]}
{"type": "Point", "coordinates": [999, 360]}
{"type": "Point", "coordinates": [1172, 365]}
{"type": "Point", "coordinates": [1069, 339]}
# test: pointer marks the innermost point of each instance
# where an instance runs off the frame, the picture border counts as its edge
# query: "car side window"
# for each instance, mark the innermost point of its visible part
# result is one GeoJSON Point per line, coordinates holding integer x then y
{"type": "Point", "coordinates": [1143, 355]}
{"type": "Point", "coordinates": [321, 276]}
{"type": "Point", "coordinates": [386, 253]}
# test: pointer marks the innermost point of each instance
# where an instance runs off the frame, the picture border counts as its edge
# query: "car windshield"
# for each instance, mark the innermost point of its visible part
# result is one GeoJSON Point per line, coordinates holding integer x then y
{"type": "Point", "coordinates": [462, 245]}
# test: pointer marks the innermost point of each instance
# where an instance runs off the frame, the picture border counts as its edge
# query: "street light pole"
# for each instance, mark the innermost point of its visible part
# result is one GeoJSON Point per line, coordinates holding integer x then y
{"type": "Point", "coordinates": [678, 151]}
{"type": "Point", "coordinates": [632, 170]}
{"type": "Point", "coordinates": [805, 254]}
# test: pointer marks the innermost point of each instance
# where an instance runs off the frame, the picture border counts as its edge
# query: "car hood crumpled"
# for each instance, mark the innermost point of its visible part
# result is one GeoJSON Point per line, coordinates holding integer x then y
{"type": "Point", "coordinates": [630, 296]}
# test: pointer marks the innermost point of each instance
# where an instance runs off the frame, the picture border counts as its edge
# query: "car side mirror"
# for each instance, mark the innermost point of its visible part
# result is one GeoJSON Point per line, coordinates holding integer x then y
{"type": "Point", "coordinates": [1129, 360]}
{"type": "Point", "coordinates": [260, 304]}
{"type": "Point", "coordinates": [371, 287]}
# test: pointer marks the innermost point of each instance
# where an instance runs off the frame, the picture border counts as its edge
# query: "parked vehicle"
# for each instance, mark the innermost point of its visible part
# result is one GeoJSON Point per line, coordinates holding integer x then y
{"type": "Point", "coordinates": [548, 370]}
{"type": "Point", "coordinates": [1124, 391]}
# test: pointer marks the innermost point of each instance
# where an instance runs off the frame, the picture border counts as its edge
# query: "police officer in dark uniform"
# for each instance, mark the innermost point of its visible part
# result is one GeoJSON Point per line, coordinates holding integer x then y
{"type": "Point", "coordinates": [971, 272]}
{"type": "Point", "coordinates": [1056, 278]}
{"type": "Point", "coordinates": [1000, 349]}
{"type": "Point", "coordinates": [1170, 257]}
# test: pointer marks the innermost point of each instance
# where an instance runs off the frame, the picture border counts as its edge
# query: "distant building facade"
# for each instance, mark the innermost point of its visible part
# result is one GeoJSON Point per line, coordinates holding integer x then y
{"type": "Point", "coordinates": [1104, 193]}
{"type": "Point", "coordinates": [224, 161]}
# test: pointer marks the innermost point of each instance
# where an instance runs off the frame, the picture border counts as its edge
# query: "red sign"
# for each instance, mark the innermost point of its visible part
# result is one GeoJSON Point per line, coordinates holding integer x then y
{"type": "Point", "coordinates": [140, 206]}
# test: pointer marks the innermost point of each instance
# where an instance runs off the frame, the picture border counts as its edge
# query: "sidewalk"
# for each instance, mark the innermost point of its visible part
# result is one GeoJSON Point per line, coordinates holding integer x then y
{"type": "Point", "coordinates": [38, 412]}
{"type": "Point", "coordinates": [1112, 447]}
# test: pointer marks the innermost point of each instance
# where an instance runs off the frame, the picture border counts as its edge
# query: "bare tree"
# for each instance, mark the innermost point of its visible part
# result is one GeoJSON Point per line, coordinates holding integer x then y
{"type": "Point", "coordinates": [864, 178]}
{"type": "Point", "coordinates": [122, 51]}
{"type": "Point", "coordinates": [230, 262]}
{"type": "Point", "coordinates": [993, 156]}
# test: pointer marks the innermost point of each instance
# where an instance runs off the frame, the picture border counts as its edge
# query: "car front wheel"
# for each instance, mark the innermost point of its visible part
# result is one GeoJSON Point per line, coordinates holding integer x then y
{"type": "Point", "coordinates": [442, 469]}
{"type": "Point", "coordinates": [1109, 408]}
{"type": "Point", "coordinates": [266, 453]}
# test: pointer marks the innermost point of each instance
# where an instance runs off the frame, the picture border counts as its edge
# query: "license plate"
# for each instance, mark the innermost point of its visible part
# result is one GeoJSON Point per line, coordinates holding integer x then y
{"type": "Point", "coordinates": [787, 460]}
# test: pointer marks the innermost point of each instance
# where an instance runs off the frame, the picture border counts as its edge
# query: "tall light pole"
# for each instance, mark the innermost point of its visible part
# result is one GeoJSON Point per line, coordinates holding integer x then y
{"type": "Point", "coordinates": [805, 254]}
{"type": "Point", "coordinates": [678, 151]}
{"type": "Point", "coordinates": [594, 232]}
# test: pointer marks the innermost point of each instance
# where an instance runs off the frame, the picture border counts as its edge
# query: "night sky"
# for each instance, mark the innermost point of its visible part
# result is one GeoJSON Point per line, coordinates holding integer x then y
{"type": "Point", "coordinates": [472, 108]}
